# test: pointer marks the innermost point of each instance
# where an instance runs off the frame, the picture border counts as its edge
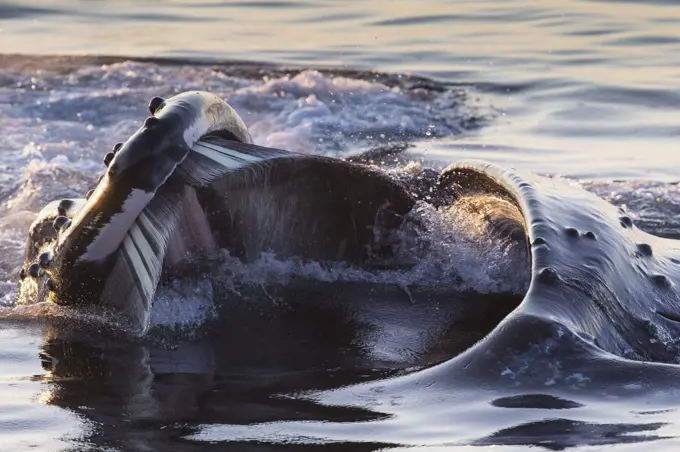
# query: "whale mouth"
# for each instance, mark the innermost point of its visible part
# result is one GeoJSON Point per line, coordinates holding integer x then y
{"type": "Point", "coordinates": [189, 183]}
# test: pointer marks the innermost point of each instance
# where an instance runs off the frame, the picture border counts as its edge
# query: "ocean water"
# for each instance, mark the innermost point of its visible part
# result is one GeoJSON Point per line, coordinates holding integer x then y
{"type": "Point", "coordinates": [579, 89]}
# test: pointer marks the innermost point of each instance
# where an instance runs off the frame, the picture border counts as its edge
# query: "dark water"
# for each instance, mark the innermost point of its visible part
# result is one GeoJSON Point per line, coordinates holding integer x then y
{"type": "Point", "coordinates": [582, 89]}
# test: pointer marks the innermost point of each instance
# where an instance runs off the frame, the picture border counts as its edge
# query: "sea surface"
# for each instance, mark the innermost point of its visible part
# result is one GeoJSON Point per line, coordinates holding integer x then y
{"type": "Point", "coordinates": [583, 90]}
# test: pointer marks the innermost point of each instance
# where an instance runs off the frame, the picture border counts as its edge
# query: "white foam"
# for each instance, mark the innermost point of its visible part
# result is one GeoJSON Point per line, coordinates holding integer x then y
{"type": "Point", "coordinates": [455, 251]}
{"type": "Point", "coordinates": [183, 304]}
{"type": "Point", "coordinates": [313, 111]}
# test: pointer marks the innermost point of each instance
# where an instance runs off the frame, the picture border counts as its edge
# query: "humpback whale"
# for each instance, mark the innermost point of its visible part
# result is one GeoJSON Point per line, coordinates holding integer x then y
{"type": "Point", "coordinates": [190, 182]}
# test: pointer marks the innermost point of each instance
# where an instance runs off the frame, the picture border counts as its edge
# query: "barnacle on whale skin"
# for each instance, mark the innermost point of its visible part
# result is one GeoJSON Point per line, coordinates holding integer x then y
{"type": "Point", "coordinates": [44, 232]}
{"type": "Point", "coordinates": [61, 223]}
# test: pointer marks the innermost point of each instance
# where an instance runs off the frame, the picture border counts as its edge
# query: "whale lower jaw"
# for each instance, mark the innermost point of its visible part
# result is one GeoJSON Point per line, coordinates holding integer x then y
{"type": "Point", "coordinates": [110, 251]}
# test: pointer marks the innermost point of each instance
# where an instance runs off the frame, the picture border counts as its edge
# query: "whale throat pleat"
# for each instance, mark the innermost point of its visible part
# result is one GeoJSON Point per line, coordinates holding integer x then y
{"type": "Point", "coordinates": [138, 261]}
{"type": "Point", "coordinates": [131, 284]}
{"type": "Point", "coordinates": [136, 270]}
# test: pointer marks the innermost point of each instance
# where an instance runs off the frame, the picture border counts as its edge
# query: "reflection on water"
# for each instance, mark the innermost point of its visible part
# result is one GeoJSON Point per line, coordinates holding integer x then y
{"type": "Point", "coordinates": [560, 434]}
{"type": "Point", "coordinates": [247, 369]}
{"type": "Point", "coordinates": [193, 397]}
{"type": "Point", "coordinates": [285, 378]}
